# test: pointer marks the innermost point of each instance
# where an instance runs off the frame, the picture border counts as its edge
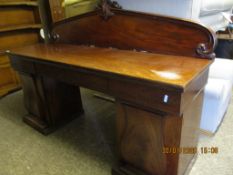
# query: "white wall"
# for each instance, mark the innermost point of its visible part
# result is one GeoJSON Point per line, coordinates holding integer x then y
{"type": "Point", "coordinates": [178, 8]}
{"type": "Point", "coordinates": [188, 9]}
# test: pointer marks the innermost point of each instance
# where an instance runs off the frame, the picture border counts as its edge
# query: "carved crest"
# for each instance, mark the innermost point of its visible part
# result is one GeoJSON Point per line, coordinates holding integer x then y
{"type": "Point", "coordinates": [106, 6]}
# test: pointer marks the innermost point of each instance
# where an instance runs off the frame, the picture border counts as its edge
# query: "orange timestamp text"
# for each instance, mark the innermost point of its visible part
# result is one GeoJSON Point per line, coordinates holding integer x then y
{"type": "Point", "coordinates": [190, 150]}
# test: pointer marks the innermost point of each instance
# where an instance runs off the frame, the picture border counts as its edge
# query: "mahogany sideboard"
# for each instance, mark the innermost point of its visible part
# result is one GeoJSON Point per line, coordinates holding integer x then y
{"type": "Point", "coordinates": [156, 68]}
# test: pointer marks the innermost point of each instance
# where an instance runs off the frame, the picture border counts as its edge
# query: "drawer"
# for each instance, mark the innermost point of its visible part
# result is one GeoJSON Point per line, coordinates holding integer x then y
{"type": "Point", "coordinates": [7, 75]}
{"type": "Point", "coordinates": [73, 76]}
{"type": "Point", "coordinates": [152, 97]}
{"type": "Point", "coordinates": [11, 16]}
{"type": "Point", "coordinates": [22, 65]}
{"type": "Point", "coordinates": [17, 38]}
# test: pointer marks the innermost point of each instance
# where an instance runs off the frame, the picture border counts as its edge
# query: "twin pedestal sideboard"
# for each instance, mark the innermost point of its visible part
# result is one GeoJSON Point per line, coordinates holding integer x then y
{"type": "Point", "coordinates": [154, 66]}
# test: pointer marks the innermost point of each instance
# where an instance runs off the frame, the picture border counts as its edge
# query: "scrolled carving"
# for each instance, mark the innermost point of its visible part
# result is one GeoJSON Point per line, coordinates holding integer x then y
{"type": "Point", "coordinates": [54, 36]}
{"type": "Point", "coordinates": [205, 51]}
{"type": "Point", "coordinates": [106, 6]}
{"type": "Point", "coordinates": [114, 4]}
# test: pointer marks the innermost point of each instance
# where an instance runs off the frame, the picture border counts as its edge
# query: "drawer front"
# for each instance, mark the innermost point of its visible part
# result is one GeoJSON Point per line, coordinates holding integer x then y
{"type": "Point", "coordinates": [155, 98]}
{"type": "Point", "coordinates": [7, 75]}
{"type": "Point", "coordinates": [10, 40]}
{"type": "Point", "coordinates": [10, 16]}
{"type": "Point", "coordinates": [65, 74]}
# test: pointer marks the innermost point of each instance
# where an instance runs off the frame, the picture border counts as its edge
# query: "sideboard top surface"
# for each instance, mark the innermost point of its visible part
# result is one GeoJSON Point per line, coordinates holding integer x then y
{"type": "Point", "coordinates": [176, 71]}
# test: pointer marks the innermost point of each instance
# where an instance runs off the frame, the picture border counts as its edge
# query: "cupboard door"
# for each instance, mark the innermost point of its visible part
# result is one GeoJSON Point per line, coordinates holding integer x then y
{"type": "Point", "coordinates": [8, 78]}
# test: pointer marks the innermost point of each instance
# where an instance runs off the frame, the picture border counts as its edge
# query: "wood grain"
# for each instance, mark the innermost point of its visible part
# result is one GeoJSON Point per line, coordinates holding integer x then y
{"type": "Point", "coordinates": [140, 139]}
{"type": "Point", "coordinates": [126, 30]}
{"type": "Point", "coordinates": [9, 80]}
{"type": "Point", "coordinates": [14, 39]}
{"type": "Point", "coordinates": [145, 122]}
{"type": "Point", "coordinates": [7, 75]}
{"type": "Point", "coordinates": [142, 135]}
{"type": "Point", "coordinates": [20, 27]}
{"type": "Point", "coordinates": [56, 10]}
{"type": "Point", "coordinates": [159, 94]}
{"type": "Point", "coordinates": [20, 23]}
{"type": "Point", "coordinates": [48, 101]}
{"type": "Point", "coordinates": [176, 71]}
{"type": "Point", "coordinates": [190, 130]}
{"type": "Point", "coordinates": [15, 16]}
{"type": "Point", "coordinates": [21, 3]}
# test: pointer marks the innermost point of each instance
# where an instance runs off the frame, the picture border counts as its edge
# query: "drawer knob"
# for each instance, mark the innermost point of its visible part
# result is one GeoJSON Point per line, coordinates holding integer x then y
{"type": "Point", "coordinates": [165, 98]}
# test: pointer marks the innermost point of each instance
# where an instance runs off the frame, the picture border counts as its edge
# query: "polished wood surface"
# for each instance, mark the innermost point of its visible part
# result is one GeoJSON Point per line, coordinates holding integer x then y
{"type": "Point", "coordinates": [20, 27]}
{"type": "Point", "coordinates": [176, 71]}
{"type": "Point", "coordinates": [141, 139]}
{"type": "Point", "coordinates": [19, 2]}
{"type": "Point", "coordinates": [126, 30]}
{"type": "Point", "coordinates": [159, 94]}
{"type": "Point", "coordinates": [137, 109]}
{"type": "Point", "coordinates": [47, 94]}
{"type": "Point", "coordinates": [190, 134]}
{"type": "Point", "coordinates": [14, 16]}
{"type": "Point", "coordinates": [145, 122]}
{"type": "Point", "coordinates": [9, 40]}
